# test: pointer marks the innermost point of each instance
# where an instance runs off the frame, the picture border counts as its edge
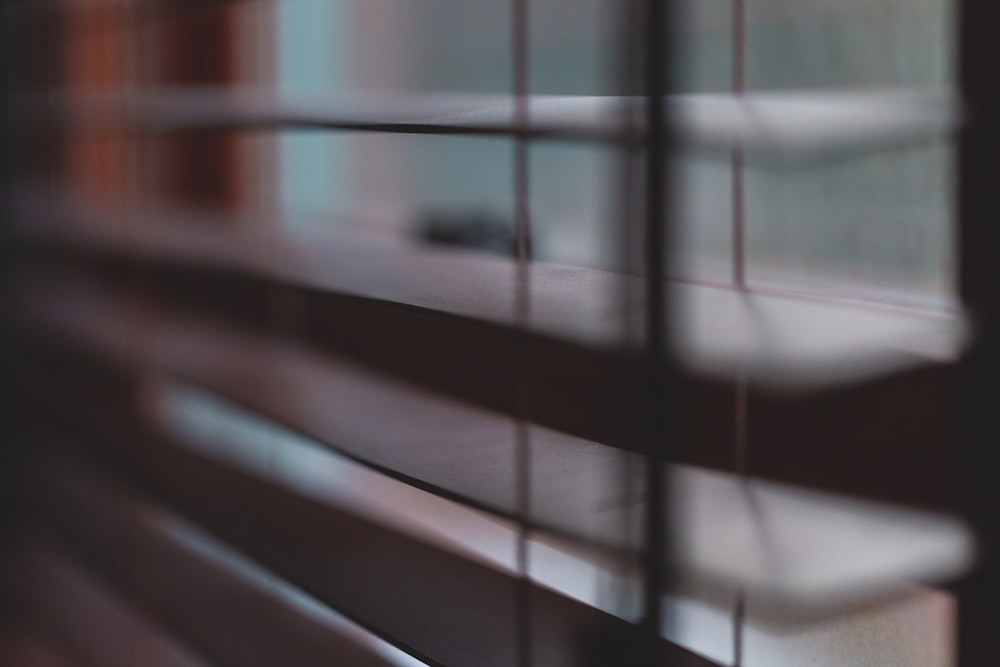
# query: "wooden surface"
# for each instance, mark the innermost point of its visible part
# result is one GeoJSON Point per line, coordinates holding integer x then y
{"type": "Point", "coordinates": [835, 551]}
{"type": "Point", "coordinates": [870, 388]}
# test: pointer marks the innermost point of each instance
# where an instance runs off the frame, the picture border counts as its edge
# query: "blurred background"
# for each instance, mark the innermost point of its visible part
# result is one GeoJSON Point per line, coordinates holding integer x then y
{"type": "Point", "coordinates": [495, 333]}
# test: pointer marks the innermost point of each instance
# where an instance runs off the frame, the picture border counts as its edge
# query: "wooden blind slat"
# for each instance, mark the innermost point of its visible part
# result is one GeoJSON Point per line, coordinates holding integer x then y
{"type": "Point", "coordinates": [776, 127]}
{"type": "Point", "coordinates": [837, 552]}
{"type": "Point", "coordinates": [437, 606]}
{"type": "Point", "coordinates": [859, 433]}
{"type": "Point", "coordinates": [780, 341]}
{"type": "Point", "coordinates": [231, 619]}
{"type": "Point", "coordinates": [26, 646]}
{"type": "Point", "coordinates": [99, 626]}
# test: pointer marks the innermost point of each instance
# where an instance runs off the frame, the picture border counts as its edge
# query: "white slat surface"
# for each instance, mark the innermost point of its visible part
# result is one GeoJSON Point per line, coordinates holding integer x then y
{"type": "Point", "coordinates": [773, 127]}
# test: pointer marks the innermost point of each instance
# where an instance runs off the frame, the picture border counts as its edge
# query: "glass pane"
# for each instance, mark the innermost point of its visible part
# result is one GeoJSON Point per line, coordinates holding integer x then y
{"type": "Point", "coordinates": [572, 199]}
{"type": "Point", "coordinates": [572, 47]}
{"type": "Point", "coordinates": [703, 46]}
{"type": "Point", "coordinates": [330, 46]}
{"type": "Point", "coordinates": [875, 226]}
{"type": "Point", "coordinates": [839, 43]}
{"type": "Point", "coordinates": [390, 183]}
{"type": "Point", "coordinates": [393, 184]}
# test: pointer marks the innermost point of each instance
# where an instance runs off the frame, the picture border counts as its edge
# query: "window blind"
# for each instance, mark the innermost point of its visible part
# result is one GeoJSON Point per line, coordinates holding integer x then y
{"type": "Point", "coordinates": [245, 446]}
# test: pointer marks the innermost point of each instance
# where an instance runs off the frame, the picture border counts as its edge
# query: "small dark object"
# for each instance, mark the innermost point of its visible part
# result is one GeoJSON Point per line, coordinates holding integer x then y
{"type": "Point", "coordinates": [475, 230]}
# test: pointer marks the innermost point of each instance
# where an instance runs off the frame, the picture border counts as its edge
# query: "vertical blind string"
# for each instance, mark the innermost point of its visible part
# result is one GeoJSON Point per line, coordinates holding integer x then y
{"type": "Point", "coordinates": [739, 85]}
{"type": "Point", "coordinates": [522, 313]}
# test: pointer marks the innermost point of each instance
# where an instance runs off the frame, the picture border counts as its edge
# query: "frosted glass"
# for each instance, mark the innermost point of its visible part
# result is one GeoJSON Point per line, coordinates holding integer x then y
{"type": "Point", "coordinates": [878, 226]}
{"type": "Point", "coordinates": [830, 43]}
{"type": "Point", "coordinates": [572, 47]}
{"type": "Point", "coordinates": [572, 195]}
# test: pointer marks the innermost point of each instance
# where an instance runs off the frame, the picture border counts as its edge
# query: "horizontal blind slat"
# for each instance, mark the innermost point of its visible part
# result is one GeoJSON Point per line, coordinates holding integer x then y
{"type": "Point", "coordinates": [101, 627]}
{"type": "Point", "coordinates": [782, 128]}
{"type": "Point", "coordinates": [837, 552]}
{"type": "Point", "coordinates": [442, 608]}
{"type": "Point", "coordinates": [858, 432]}
{"type": "Point", "coordinates": [782, 341]}
{"type": "Point", "coordinates": [27, 646]}
{"type": "Point", "coordinates": [230, 618]}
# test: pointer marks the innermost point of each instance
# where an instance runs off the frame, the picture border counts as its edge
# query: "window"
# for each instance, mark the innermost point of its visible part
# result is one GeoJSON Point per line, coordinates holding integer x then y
{"type": "Point", "coordinates": [280, 297]}
{"type": "Point", "coordinates": [871, 226]}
